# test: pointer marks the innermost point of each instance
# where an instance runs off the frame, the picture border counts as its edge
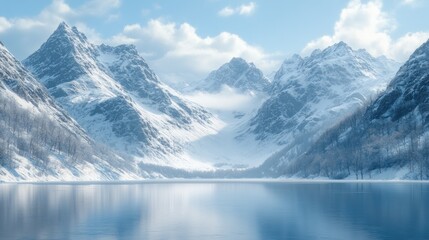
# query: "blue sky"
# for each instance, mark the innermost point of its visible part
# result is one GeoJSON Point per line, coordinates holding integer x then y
{"type": "Point", "coordinates": [184, 40]}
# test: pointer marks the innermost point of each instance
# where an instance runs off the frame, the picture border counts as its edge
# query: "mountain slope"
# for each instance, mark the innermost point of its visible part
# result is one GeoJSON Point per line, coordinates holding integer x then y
{"type": "Point", "coordinates": [38, 140]}
{"type": "Point", "coordinates": [311, 94]}
{"type": "Point", "coordinates": [388, 138]}
{"type": "Point", "coordinates": [408, 91]}
{"type": "Point", "coordinates": [232, 93]}
{"type": "Point", "coordinates": [327, 83]}
{"type": "Point", "coordinates": [237, 74]}
{"type": "Point", "coordinates": [114, 95]}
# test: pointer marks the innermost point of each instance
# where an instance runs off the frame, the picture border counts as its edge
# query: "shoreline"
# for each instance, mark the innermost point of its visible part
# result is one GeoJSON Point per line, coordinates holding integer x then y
{"type": "Point", "coordinates": [204, 181]}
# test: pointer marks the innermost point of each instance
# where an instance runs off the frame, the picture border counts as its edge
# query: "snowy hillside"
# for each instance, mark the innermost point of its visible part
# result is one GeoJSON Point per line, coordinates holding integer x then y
{"type": "Point", "coordinates": [234, 119]}
{"type": "Point", "coordinates": [389, 136]}
{"type": "Point", "coordinates": [408, 91]}
{"type": "Point", "coordinates": [233, 93]}
{"type": "Point", "coordinates": [114, 95]}
{"type": "Point", "coordinates": [38, 140]}
{"type": "Point", "coordinates": [311, 94]}
{"type": "Point", "coordinates": [224, 148]}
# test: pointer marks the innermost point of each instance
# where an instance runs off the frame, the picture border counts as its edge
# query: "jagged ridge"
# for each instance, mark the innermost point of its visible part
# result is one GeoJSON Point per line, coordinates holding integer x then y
{"type": "Point", "coordinates": [113, 94]}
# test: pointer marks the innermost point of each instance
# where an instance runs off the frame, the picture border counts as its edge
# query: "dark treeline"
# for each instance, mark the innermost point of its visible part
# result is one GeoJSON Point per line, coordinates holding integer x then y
{"type": "Point", "coordinates": [361, 146]}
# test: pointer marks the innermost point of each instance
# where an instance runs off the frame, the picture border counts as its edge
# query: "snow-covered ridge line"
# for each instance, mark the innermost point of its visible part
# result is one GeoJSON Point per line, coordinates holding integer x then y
{"type": "Point", "coordinates": [115, 96]}
{"type": "Point", "coordinates": [110, 97]}
{"type": "Point", "coordinates": [309, 95]}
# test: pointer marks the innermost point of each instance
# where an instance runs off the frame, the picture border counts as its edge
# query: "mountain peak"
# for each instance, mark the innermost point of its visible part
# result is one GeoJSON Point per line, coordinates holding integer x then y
{"type": "Point", "coordinates": [341, 43]}
{"type": "Point", "coordinates": [63, 28]}
{"type": "Point", "coordinates": [423, 50]}
{"type": "Point", "coordinates": [64, 31]}
{"type": "Point", "coordinates": [407, 91]}
{"type": "Point", "coordinates": [334, 51]}
{"type": "Point", "coordinates": [239, 63]}
{"type": "Point", "coordinates": [63, 25]}
{"type": "Point", "coordinates": [237, 60]}
{"type": "Point", "coordinates": [413, 70]}
{"type": "Point", "coordinates": [340, 47]}
{"type": "Point", "coordinates": [237, 73]}
{"type": "Point", "coordinates": [66, 47]}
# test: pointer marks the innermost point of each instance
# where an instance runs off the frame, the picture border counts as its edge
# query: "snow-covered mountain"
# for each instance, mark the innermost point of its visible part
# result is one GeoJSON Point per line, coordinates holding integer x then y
{"type": "Point", "coordinates": [232, 93]}
{"type": "Point", "coordinates": [311, 94]}
{"type": "Point", "coordinates": [387, 139]}
{"type": "Point", "coordinates": [407, 92]}
{"type": "Point", "coordinates": [114, 95]}
{"type": "Point", "coordinates": [235, 118]}
{"type": "Point", "coordinates": [320, 88]}
{"type": "Point", "coordinates": [237, 74]}
{"type": "Point", "coordinates": [307, 96]}
{"type": "Point", "coordinates": [39, 140]}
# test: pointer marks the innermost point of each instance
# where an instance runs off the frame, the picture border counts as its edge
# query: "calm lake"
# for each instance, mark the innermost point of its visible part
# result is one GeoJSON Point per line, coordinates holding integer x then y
{"type": "Point", "coordinates": [215, 210]}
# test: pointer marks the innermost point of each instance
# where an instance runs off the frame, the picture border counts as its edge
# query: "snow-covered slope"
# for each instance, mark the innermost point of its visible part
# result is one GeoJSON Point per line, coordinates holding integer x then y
{"type": "Point", "coordinates": [114, 95]}
{"type": "Point", "coordinates": [307, 96]}
{"type": "Point", "coordinates": [233, 93]}
{"type": "Point", "coordinates": [236, 117]}
{"type": "Point", "coordinates": [17, 80]}
{"type": "Point", "coordinates": [387, 139]}
{"type": "Point", "coordinates": [408, 91]}
{"type": "Point", "coordinates": [38, 140]}
{"type": "Point", "coordinates": [223, 148]}
{"type": "Point", "coordinates": [237, 74]}
{"type": "Point", "coordinates": [311, 94]}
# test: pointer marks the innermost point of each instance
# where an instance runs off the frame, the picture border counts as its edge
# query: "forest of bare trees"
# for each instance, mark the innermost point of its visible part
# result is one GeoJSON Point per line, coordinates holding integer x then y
{"type": "Point", "coordinates": [360, 147]}
{"type": "Point", "coordinates": [35, 136]}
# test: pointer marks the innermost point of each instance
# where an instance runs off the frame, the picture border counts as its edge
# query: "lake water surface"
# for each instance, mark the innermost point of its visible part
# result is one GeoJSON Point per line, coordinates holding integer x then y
{"type": "Point", "coordinates": [215, 210]}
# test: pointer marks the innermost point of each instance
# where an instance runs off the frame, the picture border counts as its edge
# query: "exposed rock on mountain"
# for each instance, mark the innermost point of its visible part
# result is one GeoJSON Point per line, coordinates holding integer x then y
{"type": "Point", "coordinates": [114, 95]}
{"type": "Point", "coordinates": [387, 139]}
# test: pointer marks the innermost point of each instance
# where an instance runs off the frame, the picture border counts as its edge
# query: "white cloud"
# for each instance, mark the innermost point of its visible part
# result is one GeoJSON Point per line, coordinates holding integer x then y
{"type": "Point", "coordinates": [178, 53]}
{"type": "Point", "coordinates": [408, 2]}
{"type": "Point", "coordinates": [25, 35]}
{"type": "Point", "coordinates": [226, 11]}
{"type": "Point", "coordinates": [245, 9]}
{"type": "Point", "coordinates": [99, 7]}
{"type": "Point", "coordinates": [22, 36]}
{"type": "Point", "coordinates": [225, 100]}
{"type": "Point", "coordinates": [365, 25]}
{"type": "Point", "coordinates": [4, 24]}
{"type": "Point", "coordinates": [406, 44]}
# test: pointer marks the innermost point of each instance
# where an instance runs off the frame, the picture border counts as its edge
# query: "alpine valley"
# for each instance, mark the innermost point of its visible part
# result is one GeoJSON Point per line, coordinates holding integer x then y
{"type": "Point", "coordinates": [74, 110]}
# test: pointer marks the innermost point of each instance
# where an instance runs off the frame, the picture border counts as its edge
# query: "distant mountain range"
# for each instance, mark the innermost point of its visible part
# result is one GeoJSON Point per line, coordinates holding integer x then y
{"type": "Point", "coordinates": [74, 110]}
{"type": "Point", "coordinates": [311, 94]}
